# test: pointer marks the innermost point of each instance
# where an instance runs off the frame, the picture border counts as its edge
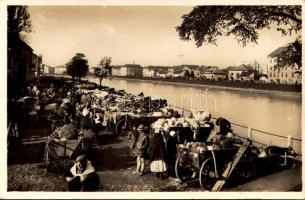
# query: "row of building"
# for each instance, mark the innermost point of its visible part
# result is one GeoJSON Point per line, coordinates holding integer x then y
{"type": "Point", "coordinates": [22, 58]}
{"type": "Point", "coordinates": [282, 74]}
{"type": "Point", "coordinates": [242, 72]}
{"type": "Point", "coordinates": [22, 65]}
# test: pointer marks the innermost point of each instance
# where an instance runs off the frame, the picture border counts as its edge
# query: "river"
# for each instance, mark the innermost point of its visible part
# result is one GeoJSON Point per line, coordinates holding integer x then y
{"type": "Point", "coordinates": [268, 113]}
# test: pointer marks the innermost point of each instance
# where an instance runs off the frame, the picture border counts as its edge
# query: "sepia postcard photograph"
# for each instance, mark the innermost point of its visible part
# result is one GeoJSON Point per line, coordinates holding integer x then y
{"type": "Point", "coordinates": [165, 99]}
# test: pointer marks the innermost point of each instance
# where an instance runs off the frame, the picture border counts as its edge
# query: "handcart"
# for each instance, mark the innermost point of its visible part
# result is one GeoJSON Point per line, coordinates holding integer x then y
{"type": "Point", "coordinates": [57, 149]}
{"type": "Point", "coordinates": [210, 162]}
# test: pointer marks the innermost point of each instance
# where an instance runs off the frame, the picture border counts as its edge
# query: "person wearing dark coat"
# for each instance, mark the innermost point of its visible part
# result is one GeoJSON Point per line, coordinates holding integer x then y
{"type": "Point", "coordinates": [172, 142]}
{"type": "Point", "coordinates": [158, 155]}
{"type": "Point", "coordinates": [141, 148]}
{"type": "Point", "coordinates": [133, 135]}
{"type": "Point", "coordinates": [224, 126]}
{"type": "Point", "coordinates": [204, 131]}
{"type": "Point", "coordinates": [185, 135]}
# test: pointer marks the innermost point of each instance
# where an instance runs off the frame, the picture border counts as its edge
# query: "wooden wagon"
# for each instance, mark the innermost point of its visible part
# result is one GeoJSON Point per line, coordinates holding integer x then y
{"type": "Point", "coordinates": [58, 149]}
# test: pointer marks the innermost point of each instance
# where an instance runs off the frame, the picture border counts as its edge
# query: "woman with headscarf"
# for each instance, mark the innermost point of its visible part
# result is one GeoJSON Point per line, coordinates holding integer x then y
{"type": "Point", "coordinates": [83, 176]}
{"type": "Point", "coordinates": [224, 126]}
{"type": "Point", "coordinates": [158, 155]}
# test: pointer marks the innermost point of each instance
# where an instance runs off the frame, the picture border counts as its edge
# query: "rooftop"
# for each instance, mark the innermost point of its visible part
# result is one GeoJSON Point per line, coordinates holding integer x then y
{"type": "Point", "coordinates": [276, 52]}
{"type": "Point", "coordinates": [132, 65]}
{"type": "Point", "coordinates": [242, 67]}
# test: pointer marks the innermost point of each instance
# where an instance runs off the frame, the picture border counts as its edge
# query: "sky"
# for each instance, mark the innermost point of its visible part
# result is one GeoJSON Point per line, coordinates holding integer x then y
{"type": "Point", "coordinates": [144, 35]}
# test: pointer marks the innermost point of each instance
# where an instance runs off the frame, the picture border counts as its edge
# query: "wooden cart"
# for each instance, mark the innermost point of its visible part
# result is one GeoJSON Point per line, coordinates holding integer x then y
{"type": "Point", "coordinates": [57, 150]}
{"type": "Point", "coordinates": [212, 166]}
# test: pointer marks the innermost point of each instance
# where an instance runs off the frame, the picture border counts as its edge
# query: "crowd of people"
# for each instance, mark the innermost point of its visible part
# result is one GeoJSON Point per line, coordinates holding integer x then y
{"type": "Point", "coordinates": [158, 143]}
{"type": "Point", "coordinates": [82, 109]}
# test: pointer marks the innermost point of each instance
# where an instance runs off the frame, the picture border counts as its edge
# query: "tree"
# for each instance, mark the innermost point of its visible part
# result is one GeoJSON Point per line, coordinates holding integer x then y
{"type": "Point", "coordinates": [106, 64]}
{"type": "Point", "coordinates": [291, 56]}
{"type": "Point", "coordinates": [97, 71]}
{"type": "Point", "coordinates": [18, 20]}
{"type": "Point", "coordinates": [78, 66]}
{"type": "Point", "coordinates": [205, 24]}
{"type": "Point", "coordinates": [100, 73]}
{"type": "Point", "coordinates": [104, 69]}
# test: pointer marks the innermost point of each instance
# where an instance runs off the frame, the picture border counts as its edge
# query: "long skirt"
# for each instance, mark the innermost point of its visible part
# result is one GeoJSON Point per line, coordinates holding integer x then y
{"type": "Point", "coordinates": [158, 166]}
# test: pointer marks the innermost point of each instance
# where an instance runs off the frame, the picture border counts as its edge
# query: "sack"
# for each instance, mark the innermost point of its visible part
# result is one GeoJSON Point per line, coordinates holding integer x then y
{"type": "Point", "coordinates": [68, 131]}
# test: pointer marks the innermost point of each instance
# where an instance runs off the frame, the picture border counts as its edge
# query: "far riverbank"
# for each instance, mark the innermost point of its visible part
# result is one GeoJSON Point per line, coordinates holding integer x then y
{"type": "Point", "coordinates": [256, 88]}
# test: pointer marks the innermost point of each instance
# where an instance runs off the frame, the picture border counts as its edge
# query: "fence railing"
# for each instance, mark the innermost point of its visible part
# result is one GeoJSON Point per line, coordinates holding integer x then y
{"type": "Point", "coordinates": [255, 135]}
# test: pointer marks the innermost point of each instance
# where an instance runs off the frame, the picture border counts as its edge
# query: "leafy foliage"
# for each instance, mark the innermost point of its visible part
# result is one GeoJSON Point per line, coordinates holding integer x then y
{"type": "Point", "coordinates": [97, 71]}
{"type": "Point", "coordinates": [106, 63]}
{"type": "Point", "coordinates": [291, 56]}
{"type": "Point", "coordinates": [104, 68]}
{"type": "Point", "coordinates": [78, 66]}
{"type": "Point", "coordinates": [205, 23]}
{"type": "Point", "coordinates": [18, 20]}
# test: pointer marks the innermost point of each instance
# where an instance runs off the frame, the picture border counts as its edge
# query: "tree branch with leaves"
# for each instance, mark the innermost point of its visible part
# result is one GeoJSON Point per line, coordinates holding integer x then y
{"type": "Point", "coordinates": [204, 24]}
{"type": "Point", "coordinates": [18, 20]}
{"type": "Point", "coordinates": [104, 68]}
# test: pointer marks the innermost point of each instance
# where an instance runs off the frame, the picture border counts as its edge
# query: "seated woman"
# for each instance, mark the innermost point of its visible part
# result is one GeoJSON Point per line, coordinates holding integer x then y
{"type": "Point", "coordinates": [224, 126]}
{"type": "Point", "coordinates": [83, 176]}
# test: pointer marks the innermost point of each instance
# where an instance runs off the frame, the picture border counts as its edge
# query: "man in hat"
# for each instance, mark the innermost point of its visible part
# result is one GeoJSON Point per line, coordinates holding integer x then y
{"type": "Point", "coordinates": [83, 176]}
{"type": "Point", "coordinates": [141, 148]}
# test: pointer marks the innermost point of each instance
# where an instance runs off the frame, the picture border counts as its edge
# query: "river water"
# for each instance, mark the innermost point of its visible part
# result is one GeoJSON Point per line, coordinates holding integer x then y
{"type": "Point", "coordinates": [268, 113]}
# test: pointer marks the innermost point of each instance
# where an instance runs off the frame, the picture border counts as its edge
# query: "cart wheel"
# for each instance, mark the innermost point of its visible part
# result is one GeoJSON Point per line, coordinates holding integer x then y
{"type": "Point", "coordinates": [207, 176]}
{"type": "Point", "coordinates": [48, 160]}
{"type": "Point", "coordinates": [183, 168]}
{"type": "Point", "coordinates": [121, 127]}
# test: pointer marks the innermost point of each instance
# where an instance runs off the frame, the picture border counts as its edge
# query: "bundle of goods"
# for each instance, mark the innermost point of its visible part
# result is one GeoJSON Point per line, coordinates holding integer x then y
{"type": "Point", "coordinates": [195, 147]}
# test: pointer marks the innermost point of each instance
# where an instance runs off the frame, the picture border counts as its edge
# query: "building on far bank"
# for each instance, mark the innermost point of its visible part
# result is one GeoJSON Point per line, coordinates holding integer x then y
{"type": "Point", "coordinates": [208, 72]}
{"type": "Point", "coordinates": [247, 76]}
{"type": "Point", "coordinates": [235, 73]}
{"type": "Point", "coordinates": [131, 70]}
{"type": "Point", "coordinates": [179, 73]}
{"type": "Point", "coordinates": [282, 74]}
{"type": "Point", "coordinates": [220, 74]}
{"type": "Point", "coordinates": [153, 71]}
{"type": "Point", "coordinates": [149, 71]}
{"type": "Point", "coordinates": [48, 70]}
{"type": "Point", "coordinates": [61, 69]}
{"type": "Point", "coordinates": [163, 73]}
{"type": "Point", "coordinates": [116, 70]}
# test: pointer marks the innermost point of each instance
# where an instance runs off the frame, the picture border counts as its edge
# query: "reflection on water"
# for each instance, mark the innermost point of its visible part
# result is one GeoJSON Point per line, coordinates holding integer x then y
{"type": "Point", "coordinates": [268, 113]}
